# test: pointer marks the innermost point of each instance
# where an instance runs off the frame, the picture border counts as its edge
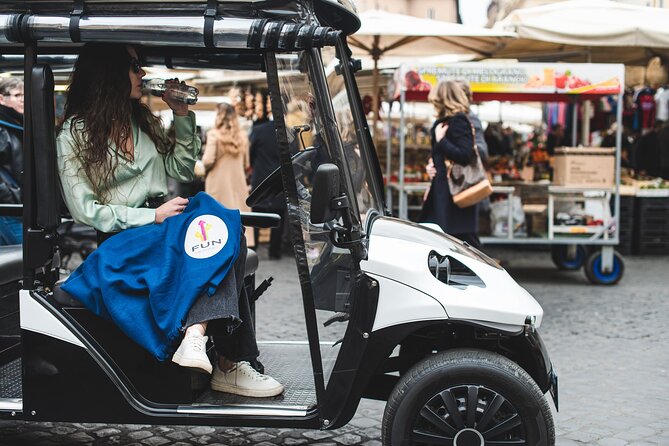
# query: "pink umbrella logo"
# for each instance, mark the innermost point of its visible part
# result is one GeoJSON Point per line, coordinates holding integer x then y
{"type": "Point", "coordinates": [201, 235]}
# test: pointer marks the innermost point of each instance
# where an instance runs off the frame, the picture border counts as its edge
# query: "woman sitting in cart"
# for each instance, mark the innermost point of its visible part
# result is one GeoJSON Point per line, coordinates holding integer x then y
{"type": "Point", "coordinates": [113, 160]}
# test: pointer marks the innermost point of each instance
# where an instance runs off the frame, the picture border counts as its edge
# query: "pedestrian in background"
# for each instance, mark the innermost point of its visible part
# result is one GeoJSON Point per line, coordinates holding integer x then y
{"type": "Point", "coordinates": [11, 156]}
{"type": "Point", "coordinates": [452, 142]}
{"type": "Point", "coordinates": [264, 155]}
{"type": "Point", "coordinates": [225, 160]}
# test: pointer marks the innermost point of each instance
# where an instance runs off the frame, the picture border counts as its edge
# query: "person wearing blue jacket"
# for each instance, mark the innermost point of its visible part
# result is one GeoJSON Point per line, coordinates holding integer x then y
{"type": "Point", "coordinates": [114, 159]}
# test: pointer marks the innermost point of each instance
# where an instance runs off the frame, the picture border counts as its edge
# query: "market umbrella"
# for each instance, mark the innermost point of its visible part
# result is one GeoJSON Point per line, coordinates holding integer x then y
{"type": "Point", "coordinates": [587, 31]}
{"type": "Point", "coordinates": [387, 34]}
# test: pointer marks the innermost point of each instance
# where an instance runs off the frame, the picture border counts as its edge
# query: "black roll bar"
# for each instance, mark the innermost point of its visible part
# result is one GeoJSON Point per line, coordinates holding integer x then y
{"type": "Point", "coordinates": [293, 209]}
{"type": "Point", "coordinates": [29, 60]}
{"type": "Point", "coordinates": [361, 126]}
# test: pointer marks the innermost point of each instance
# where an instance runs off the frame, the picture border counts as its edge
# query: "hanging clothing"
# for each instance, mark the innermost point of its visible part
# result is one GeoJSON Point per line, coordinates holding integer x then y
{"type": "Point", "coordinates": [645, 106]}
{"type": "Point", "coordinates": [662, 104]}
{"type": "Point", "coordinates": [146, 279]}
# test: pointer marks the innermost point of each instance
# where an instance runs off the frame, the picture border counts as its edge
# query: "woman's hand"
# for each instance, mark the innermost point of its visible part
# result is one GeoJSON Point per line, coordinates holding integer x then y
{"type": "Point", "coordinates": [440, 131]}
{"type": "Point", "coordinates": [179, 108]}
{"type": "Point", "coordinates": [430, 169]}
{"type": "Point", "coordinates": [171, 208]}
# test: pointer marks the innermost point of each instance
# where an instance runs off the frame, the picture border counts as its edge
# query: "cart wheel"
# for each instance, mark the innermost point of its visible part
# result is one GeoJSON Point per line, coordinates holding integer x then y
{"type": "Point", "coordinates": [594, 273]}
{"type": "Point", "coordinates": [562, 261]}
{"type": "Point", "coordinates": [465, 397]}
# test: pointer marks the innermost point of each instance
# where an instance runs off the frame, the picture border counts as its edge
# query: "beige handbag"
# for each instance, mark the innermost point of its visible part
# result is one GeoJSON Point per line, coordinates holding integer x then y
{"type": "Point", "coordinates": [469, 184]}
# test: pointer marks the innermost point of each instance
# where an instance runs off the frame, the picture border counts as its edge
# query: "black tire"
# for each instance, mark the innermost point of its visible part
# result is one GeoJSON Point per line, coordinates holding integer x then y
{"type": "Point", "coordinates": [431, 403]}
{"type": "Point", "coordinates": [563, 262]}
{"type": "Point", "coordinates": [593, 272]}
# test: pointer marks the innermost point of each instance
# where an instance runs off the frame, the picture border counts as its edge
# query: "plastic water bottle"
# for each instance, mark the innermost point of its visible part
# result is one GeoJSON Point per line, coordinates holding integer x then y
{"type": "Point", "coordinates": [177, 91]}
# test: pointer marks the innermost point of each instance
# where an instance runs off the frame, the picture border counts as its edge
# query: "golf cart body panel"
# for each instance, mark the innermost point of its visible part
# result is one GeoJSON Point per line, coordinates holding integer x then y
{"type": "Point", "coordinates": [401, 250]}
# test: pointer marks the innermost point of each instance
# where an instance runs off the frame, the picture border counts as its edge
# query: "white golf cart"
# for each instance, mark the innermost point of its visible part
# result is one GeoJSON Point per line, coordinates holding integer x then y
{"type": "Point", "coordinates": [431, 325]}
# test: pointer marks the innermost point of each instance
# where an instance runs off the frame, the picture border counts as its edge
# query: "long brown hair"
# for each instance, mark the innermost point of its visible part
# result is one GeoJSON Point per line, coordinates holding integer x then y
{"type": "Point", "coordinates": [449, 98]}
{"type": "Point", "coordinates": [230, 137]}
{"type": "Point", "coordinates": [100, 109]}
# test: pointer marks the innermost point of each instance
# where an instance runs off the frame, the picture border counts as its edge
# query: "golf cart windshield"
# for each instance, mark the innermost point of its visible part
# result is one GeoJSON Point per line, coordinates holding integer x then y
{"type": "Point", "coordinates": [321, 131]}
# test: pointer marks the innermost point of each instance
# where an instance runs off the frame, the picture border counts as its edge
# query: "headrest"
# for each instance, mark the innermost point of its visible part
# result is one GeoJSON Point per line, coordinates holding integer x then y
{"type": "Point", "coordinates": [44, 143]}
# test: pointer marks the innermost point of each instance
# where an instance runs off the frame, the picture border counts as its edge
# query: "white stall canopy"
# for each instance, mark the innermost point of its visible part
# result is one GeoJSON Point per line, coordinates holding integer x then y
{"type": "Point", "coordinates": [587, 31]}
{"type": "Point", "coordinates": [386, 34]}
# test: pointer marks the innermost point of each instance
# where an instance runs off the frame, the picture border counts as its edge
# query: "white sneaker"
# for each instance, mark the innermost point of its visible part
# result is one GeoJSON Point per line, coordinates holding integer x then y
{"type": "Point", "coordinates": [244, 380]}
{"type": "Point", "coordinates": [192, 353]}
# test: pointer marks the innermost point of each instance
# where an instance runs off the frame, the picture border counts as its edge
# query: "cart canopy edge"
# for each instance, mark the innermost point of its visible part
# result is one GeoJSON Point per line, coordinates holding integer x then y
{"type": "Point", "coordinates": [238, 25]}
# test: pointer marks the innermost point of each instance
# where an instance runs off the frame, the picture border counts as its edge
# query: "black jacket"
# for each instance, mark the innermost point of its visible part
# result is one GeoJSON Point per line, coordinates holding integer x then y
{"type": "Point", "coordinates": [264, 159]}
{"type": "Point", "coordinates": [11, 155]}
{"type": "Point", "coordinates": [457, 146]}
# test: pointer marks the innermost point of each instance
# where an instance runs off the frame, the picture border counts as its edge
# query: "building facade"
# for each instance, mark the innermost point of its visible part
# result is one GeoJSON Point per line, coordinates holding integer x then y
{"type": "Point", "coordinates": [444, 10]}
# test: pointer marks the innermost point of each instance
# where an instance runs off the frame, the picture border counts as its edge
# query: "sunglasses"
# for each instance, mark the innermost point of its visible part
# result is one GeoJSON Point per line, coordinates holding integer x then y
{"type": "Point", "coordinates": [135, 66]}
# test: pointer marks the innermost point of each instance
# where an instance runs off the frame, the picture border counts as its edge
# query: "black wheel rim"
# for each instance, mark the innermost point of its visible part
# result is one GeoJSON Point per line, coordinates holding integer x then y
{"type": "Point", "coordinates": [468, 415]}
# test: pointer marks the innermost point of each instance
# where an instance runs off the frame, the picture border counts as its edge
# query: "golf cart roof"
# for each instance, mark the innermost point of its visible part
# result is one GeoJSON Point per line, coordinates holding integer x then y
{"type": "Point", "coordinates": [233, 25]}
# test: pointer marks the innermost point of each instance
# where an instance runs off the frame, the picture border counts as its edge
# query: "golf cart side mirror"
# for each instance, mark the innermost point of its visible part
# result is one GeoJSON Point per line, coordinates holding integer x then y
{"type": "Point", "coordinates": [326, 200]}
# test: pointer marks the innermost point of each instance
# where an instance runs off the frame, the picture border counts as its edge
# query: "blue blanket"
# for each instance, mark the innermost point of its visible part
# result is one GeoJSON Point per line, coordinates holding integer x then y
{"type": "Point", "coordinates": [146, 279]}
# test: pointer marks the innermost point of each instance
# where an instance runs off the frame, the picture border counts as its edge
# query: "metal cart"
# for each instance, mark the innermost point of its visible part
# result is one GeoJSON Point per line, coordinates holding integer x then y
{"type": "Point", "coordinates": [573, 247]}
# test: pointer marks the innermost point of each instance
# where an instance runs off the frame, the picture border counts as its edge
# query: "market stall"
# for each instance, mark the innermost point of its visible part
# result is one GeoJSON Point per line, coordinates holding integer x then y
{"type": "Point", "coordinates": [383, 34]}
{"type": "Point", "coordinates": [570, 199]}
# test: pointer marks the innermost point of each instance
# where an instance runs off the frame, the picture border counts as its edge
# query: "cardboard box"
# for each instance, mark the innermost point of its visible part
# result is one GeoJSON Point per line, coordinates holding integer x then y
{"type": "Point", "coordinates": [584, 167]}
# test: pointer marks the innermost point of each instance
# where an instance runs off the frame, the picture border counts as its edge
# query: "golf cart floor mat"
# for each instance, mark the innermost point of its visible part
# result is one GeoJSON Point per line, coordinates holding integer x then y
{"type": "Point", "coordinates": [10, 380]}
{"type": "Point", "coordinates": [288, 363]}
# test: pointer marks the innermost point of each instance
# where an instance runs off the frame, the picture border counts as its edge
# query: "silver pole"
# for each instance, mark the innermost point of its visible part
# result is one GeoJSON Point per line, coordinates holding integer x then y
{"type": "Point", "coordinates": [389, 173]}
{"type": "Point", "coordinates": [619, 149]}
{"type": "Point", "coordinates": [228, 33]}
{"type": "Point", "coordinates": [574, 125]}
{"type": "Point", "coordinates": [585, 128]}
{"type": "Point", "coordinates": [402, 195]}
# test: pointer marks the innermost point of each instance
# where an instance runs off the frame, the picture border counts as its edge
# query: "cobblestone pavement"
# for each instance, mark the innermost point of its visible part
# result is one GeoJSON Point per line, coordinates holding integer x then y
{"type": "Point", "coordinates": [609, 345]}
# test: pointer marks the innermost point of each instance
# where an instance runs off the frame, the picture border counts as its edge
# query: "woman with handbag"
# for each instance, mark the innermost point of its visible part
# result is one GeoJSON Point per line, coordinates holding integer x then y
{"type": "Point", "coordinates": [453, 148]}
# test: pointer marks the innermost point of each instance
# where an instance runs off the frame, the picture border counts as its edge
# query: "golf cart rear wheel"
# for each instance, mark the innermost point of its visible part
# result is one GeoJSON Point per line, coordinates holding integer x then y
{"type": "Point", "coordinates": [467, 397]}
{"type": "Point", "coordinates": [561, 259]}
{"type": "Point", "coordinates": [593, 269]}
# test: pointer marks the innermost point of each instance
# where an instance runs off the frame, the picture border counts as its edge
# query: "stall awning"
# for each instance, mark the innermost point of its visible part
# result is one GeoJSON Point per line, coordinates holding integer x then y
{"type": "Point", "coordinates": [587, 31]}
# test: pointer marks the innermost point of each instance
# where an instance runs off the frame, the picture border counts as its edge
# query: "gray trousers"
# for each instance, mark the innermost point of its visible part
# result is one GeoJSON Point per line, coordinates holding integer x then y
{"type": "Point", "coordinates": [228, 314]}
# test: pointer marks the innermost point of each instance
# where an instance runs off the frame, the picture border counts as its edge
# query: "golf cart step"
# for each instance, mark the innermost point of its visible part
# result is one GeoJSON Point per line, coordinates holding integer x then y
{"type": "Point", "coordinates": [10, 348]}
{"type": "Point", "coordinates": [10, 380]}
{"type": "Point", "coordinates": [290, 364]}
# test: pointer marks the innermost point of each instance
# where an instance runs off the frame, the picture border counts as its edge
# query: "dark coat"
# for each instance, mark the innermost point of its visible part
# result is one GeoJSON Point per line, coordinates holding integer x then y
{"type": "Point", "coordinates": [456, 146]}
{"type": "Point", "coordinates": [11, 154]}
{"type": "Point", "coordinates": [264, 159]}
